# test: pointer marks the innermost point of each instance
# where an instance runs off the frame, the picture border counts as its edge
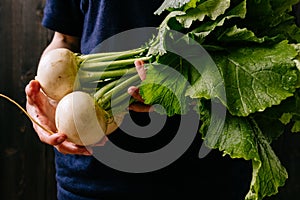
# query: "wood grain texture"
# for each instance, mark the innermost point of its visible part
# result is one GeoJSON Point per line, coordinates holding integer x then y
{"type": "Point", "coordinates": [26, 165]}
{"type": "Point", "coordinates": [27, 168]}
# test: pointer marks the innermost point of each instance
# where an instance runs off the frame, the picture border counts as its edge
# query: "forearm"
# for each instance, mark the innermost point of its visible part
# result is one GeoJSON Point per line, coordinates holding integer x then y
{"type": "Point", "coordinates": [63, 41]}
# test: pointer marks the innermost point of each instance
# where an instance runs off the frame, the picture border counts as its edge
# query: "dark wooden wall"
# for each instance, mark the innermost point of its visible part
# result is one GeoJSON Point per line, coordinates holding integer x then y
{"type": "Point", "coordinates": [26, 165]}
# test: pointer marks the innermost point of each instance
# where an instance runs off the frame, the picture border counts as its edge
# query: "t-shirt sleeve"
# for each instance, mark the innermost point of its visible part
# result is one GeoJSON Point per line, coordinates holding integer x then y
{"type": "Point", "coordinates": [63, 16]}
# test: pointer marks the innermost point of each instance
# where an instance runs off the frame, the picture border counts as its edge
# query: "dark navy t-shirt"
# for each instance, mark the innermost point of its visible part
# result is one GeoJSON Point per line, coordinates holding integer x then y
{"type": "Point", "coordinates": [96, 20]}
{"type": "Point", "coordinates": [83, 177]}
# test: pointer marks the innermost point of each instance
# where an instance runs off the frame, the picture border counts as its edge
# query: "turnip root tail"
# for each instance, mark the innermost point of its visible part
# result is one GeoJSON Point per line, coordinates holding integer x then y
{"type": "Point", "coordinates": [26, 113]}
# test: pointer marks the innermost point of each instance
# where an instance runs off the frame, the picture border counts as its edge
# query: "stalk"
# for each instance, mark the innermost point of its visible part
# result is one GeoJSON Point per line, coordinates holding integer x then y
{"type": "Point", "coordinates": [114, 56]}
{"type": "Point", "coordinates": [87, 76]}
{"type": "Point", "coordinates": [119, 89]}
{"type": "Point", "coordinates": [105, 54]}
{"type": "Point", "coordinates": [110, 65]}
{"type": "Point", "coordinates": [110, 74]}
{"type": "Point", "coordinates": [119, 103]}
{"type": "Point", "coordinates": [105, 89]}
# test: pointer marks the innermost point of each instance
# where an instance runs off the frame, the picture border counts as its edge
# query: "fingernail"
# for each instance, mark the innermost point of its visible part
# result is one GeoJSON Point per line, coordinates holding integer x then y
{"type": "Point", "coordinates": [88, 152]}
{"type": "Point", "coordinates": [60, 139]}
{"type": "Point", "coordinates": [138, 63]}
{"type": "Point", "coordinates": [130, 90]}
{"type": "Point", "coordinates": [151, 109]}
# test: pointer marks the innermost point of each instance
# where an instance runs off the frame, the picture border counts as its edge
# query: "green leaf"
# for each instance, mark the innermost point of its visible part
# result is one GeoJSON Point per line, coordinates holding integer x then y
{"type": "Point", "coordinates": [287, 30]}
{"type": "Point", "coordinates": [191, 4]}
{"type": "Point", "coordinates": [264, 15]}
{"type": "Point", "coordinates": [241, 137]}
{"type": "Point", "coordinates": [270, 125]}
{"type": "Point", "coordinates": [286, 118]}
{"type": "Point", "coordinates": [165, 86]}
{"type": "Point", "coordinates": [291, 112]}
{"type": "Point", "coordinates": [255, 78]}
{"type": "Point", "coordinates": [274, 120]}
{"type": "Point", "coordinates": [208, 26]}
{"type": "Point", "coordinates": [235, 138]}
{"type": "Point", "coordinates": [167, 4]}
{"type": "Point", "coordinates": [258, 77]}
{"type": "Point", "coordinates": [158, 46]}
{"type": "Point", "coordinates": [280, 6]}
{"type": "Point", "coordinates": [210, 84]}
{"type": "Point", "coordinates": [268, 173]}
{"type": "Point", "coordinates": [210, 8]}
{"type": "Point", "coordinates": [241, 36]}
{"type": "Point", "coordinates": [296, 127]}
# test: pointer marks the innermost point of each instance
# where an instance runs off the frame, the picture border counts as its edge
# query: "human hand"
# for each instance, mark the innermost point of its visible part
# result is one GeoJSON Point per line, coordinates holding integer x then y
{"type": "Point", "coordinates": [139, 105]}
{"type": "Point", "coordinates": [42, 109]}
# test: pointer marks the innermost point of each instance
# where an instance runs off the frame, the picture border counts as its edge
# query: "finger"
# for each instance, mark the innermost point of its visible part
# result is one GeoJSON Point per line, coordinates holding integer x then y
{"type": "Point", "coordinates": [31, 90]}
{"type": "Point", "coordinates": [134, 92]}
{"type": "Point", "coordinates": [101, 142]}
{"type": "Point", "coordinates": [34, 94]}
{"type": "Point", "coordinates": [139, 65]}
{"type": "Point", "coordinates": [54, 139]}
{"type": "Point", "coordinates": [71, 148]}
{"type": "Point", "coordinates": [45, 136]}
{"type": "Point", "coordinates": [38, 102]}
{"type": "Point", "coordinates": [39, 116]}
{"type": "Point", "coordinates": [140, 107]}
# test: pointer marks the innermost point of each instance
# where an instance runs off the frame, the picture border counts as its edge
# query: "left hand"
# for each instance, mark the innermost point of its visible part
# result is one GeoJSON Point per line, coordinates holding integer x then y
{"type": "Point", "coordinates": [42, 109]}
{"type": "Point", "coordinates": [139, 106]}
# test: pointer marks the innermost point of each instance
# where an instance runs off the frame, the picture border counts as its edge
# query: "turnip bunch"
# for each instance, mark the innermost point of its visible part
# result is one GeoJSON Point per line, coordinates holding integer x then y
{"type": "Point", "coordinates": [91, 90]}
{"type": "Point", "coordinates": [255, 46]}
{"type": "Point", "coordinates": [61, 70]}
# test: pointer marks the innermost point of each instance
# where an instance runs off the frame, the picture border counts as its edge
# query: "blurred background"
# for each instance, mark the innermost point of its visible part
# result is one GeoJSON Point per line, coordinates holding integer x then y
{"type": "Point", "coordinates": [26, 164]}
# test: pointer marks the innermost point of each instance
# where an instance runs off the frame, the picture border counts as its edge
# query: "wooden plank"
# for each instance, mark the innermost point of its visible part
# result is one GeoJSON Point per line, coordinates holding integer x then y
{"type": "Point", "coordinates": [27, 168]}
{"type": "Point", "coordinates": [26, 165]}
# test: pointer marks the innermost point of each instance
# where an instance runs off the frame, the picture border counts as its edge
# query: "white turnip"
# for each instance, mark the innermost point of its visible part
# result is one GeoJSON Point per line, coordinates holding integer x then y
{"type": "Point", "coordinates": [83, 120]}
{"type": "Point", "coordinates": [80, 118]}
{"type": "Point", "coordinates": [57, 72]}
{"type": "Point", "coordinates": [58, 69]}
{"type": "Point", "coordinates": [96, 108]}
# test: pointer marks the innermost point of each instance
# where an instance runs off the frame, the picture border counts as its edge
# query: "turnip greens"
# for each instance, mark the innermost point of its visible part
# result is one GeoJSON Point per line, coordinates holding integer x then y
{"type": "Point", "coordinates": [255, 45]}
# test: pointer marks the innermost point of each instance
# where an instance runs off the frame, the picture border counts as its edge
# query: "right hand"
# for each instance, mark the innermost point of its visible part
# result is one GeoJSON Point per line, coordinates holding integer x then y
{"type": "Point", "coordinates": [42, 109]}
{"type": "Point", "coordinates": [139, 105]}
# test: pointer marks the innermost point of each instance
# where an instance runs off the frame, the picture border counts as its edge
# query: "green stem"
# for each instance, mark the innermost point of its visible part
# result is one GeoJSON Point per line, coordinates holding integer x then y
{"type": "Point", "coordinates": [105, 89]}
{"type": "Point", "coordinates": [122, 100]}
{"type": "Point", "coordinates": [113, 57]}
{"type": "Point", "coordinates": [87, 76]}
{"type": "Point", "coordinates": [110, 65]}
{"type": "Point", "coordinates": [119, 103]}
{"type": "Point", "coordinates": [105, 54]}
{"type": "Point", "coordinates": [117, 90]}
{"type": "Point", "coordinates": [117, 100]}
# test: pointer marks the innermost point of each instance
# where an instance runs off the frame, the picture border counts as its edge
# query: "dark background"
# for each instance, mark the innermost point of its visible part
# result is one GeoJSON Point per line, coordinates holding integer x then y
{"type": "Point", "coordinates": [26, 165]}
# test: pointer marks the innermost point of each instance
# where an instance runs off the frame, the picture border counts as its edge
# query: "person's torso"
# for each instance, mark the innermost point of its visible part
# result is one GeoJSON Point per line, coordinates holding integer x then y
{"type": "Point", "coordinates": [103, 19]}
